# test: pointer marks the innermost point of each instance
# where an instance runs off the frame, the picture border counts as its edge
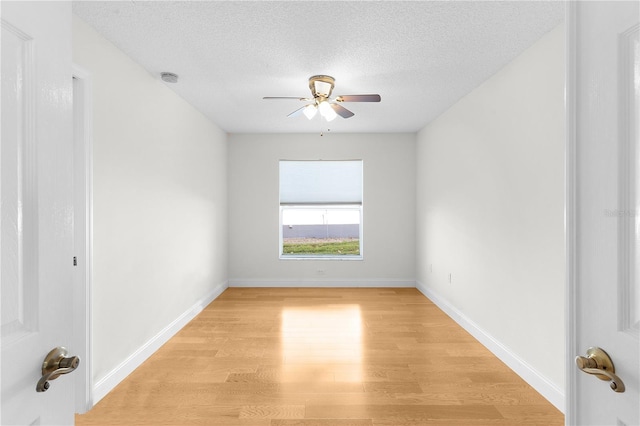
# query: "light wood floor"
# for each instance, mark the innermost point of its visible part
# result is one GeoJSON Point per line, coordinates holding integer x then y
{"type": "Point", "coordinates": [325, 357]}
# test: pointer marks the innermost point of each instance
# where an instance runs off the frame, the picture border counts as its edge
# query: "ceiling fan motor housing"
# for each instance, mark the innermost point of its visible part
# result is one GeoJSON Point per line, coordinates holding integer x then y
{"type": "Point", "coordinates": [321, 86]}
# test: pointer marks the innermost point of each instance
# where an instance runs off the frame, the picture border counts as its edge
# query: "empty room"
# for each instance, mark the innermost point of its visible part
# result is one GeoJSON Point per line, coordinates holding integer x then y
{"type": "Point", "coordinates": [320, 213]}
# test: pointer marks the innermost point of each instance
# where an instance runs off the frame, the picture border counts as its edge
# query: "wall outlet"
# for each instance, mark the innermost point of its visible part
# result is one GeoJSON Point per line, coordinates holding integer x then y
{"type": "Point", "coordinates": [449, 277]}
{"type": "Point", "coordinates": [320, 272]}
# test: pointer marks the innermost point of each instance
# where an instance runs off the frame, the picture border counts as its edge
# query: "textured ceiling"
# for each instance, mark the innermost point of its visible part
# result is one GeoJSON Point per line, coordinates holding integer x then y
{"type": "Point", "coordinates": [420, 56]}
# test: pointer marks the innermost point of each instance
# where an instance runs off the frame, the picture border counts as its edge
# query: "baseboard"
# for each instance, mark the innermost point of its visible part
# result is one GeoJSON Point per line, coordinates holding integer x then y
{"type": "Point", "coordinates": [322, 283]}
{"type": "Point", "coordinates": [126, 367]}
{"type": "Point", "coordinates": [529, 374]}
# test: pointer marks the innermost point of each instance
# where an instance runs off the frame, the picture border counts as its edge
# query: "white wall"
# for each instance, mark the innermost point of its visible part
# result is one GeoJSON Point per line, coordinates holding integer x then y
{"type": "Point", "coordinates": [160, 204]}
{"type": "Point", "coordinates": [389, 209]}
{"type": "Point", "coordinates": [490, 208]}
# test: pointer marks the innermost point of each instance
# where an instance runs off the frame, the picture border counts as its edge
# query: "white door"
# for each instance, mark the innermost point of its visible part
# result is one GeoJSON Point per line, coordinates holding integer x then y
{"type": "Point", "coordinates": [37, 216]}
{"type": "Point", "coordinates": [603, 210]}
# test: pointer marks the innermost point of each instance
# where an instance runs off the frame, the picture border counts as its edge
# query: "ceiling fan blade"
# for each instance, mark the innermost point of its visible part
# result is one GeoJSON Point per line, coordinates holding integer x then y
{"type": "Point", "coordinates": [297, 112]}
{"type": "Point", "coordinates": [342, 111]}
{"type": "Point", "coordinates": [358, 98]}
{"type": "Point", "coordinates": [287, 97]}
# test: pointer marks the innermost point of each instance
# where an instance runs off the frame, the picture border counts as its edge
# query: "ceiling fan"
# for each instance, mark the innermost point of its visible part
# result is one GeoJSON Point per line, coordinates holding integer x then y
{"type": "Point", "coordinates": [321, 87]}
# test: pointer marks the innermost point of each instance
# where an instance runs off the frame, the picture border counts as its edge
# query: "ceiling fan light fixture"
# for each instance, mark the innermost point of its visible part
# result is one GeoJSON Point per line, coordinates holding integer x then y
{"type": "Point", "coordinates": [310, 111]}
{"type": "Point", "coordinates": [326, 111]}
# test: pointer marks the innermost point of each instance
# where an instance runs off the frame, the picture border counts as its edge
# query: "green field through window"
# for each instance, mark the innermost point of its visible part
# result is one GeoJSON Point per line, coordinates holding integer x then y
{"type": "Point", "coordinates": [321, 246]}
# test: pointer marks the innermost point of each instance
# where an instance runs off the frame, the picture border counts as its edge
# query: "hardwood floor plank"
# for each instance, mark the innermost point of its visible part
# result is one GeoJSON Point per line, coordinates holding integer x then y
{"type": "Point", "coordinates": [322, 357]}
{"type": "Point", "coordinates": [322, 422]}
{"type": "Point", "coordinates": [526, 414]}
{"type": "Point", "coordinates": [406, 413]}
{"type": "Point", "coordinates": [392, 387]}
{"type": "Point", "coordinates": [272, 412]}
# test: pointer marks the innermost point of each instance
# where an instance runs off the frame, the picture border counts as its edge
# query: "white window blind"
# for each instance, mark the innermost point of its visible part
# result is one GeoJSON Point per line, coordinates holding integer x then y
{"type": "Point", "coordinates": [321, 182]}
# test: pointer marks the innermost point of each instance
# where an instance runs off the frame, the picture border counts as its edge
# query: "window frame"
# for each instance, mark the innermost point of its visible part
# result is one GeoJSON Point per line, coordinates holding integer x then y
{"type": "Point", "coordinates": [324, 205]}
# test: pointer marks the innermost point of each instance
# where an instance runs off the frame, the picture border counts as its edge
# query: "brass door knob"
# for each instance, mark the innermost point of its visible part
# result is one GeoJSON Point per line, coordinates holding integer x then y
{"type": "Point", "coordinates": [598, 363]}
{"type": "Point", "coordinates": [55, 364]}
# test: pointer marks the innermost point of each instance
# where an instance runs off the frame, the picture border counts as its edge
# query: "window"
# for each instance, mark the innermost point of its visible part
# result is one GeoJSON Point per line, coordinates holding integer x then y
{"type": "Point", "coordinates": [321, 209]}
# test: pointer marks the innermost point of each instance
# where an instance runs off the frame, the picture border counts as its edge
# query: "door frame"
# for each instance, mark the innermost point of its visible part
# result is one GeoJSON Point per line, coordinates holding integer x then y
{"type": "Point", "coordinates": [83, 235]}
{"type": "Point", "coordinates": [571, 285]}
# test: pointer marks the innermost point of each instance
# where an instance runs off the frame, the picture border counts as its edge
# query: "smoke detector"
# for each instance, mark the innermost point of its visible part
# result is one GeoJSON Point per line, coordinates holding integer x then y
{"type": "Point", "coordinates": [169, 77]}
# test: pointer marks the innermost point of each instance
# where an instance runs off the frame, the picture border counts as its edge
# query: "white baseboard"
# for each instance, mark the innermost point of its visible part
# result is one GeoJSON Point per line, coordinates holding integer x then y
{"type": "Point", "coordinates": [126, 367]}
{"type": "Point", "coordinates": [529, 374]}
{"type": "Point", "coordinates": [322, 283]}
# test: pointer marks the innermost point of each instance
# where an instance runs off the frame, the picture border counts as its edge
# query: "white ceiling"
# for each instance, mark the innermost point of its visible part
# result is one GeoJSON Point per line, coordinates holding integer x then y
{"type": "Point", "coordinates": [420, 56]}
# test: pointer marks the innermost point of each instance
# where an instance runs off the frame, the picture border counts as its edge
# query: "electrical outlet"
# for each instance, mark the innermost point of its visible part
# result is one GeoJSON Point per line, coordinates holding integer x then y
{"type": "Point", "coordinates": [320, 272]}
{"type": "Point", "coordinates": [449, 277]}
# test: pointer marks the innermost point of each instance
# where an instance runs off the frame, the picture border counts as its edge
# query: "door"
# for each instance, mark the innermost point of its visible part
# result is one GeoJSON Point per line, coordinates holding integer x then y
{"type": "Point", "coordinates": [37, 217]}
{"type": "Point", "coordinates": [603, 225]}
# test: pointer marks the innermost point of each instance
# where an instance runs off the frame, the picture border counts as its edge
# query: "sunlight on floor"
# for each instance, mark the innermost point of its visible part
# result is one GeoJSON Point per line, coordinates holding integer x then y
{"type": "Point", "coordinates": [327, 340]}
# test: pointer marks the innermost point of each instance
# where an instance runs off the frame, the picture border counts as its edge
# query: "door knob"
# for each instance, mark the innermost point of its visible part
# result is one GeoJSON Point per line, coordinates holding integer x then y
{"type": "Point", "coordinates": [55, 364]}
{"type": "Point", "coordinates": [598, 363]}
